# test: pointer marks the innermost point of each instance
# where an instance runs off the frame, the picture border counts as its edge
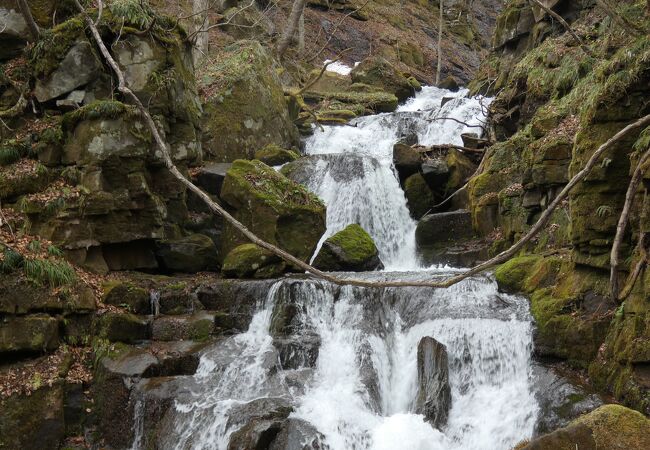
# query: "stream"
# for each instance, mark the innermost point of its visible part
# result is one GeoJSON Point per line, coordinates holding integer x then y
{"type": "Point", "coordinates": [346, 365]}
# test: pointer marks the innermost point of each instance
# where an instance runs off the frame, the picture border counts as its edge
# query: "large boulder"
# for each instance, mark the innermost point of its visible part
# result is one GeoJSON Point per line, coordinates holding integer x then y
{"type": "Point", "coordinates": [610, 427]}
{"type": "Point", "coordinates": [419, 197]}
{"type": "Point", "coordinates": [273, 207]}
{"type": "Point", "coordinates": [406, 159]}
{"type": "Point", "coordinates": [244, 106]}
{"type": "Point", "coordinates": [351, 249]}
{"type": "Point", "coordinates": [434, 392]}
{"type": "Point", "coordinates": [274, 155]}
{"type": "Point", "coordinates": [441, 228]}
{"type": "Point", "coordinates": [29, 334]}
{"type": "Point", "coordinates": [14, 33]}
{"type": "Point", "coordinates": [193, 253]}
{"type": "Point", "coordinates": [252, 261]}
{"type": "Point", "coordinates": [378, 72]}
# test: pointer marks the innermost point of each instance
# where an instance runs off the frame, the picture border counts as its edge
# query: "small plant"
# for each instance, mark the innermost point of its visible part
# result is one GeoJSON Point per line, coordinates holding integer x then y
{"type": "Point", "coordinates": [53, 250]}
{"type": "Point", "coordinates": [34, 245]}
{"type": "Point", "coordinates": [10, 261]}
{"type": "Point", "coordinates": [604, 211]}
{"type": "Point", "coordinates": [606, 163]}
{"type": "Point", "coordinates": [52, 273]}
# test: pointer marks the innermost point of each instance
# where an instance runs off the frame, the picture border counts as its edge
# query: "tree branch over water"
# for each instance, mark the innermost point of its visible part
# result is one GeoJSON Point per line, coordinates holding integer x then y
{"type": "Point", "coordinates": [336, 279]}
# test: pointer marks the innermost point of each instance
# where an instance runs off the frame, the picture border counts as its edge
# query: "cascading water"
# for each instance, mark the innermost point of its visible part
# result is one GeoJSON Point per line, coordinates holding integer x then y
{"type": "Point", "coordinates": [347, 366]}
{"type": "Point", "coordinates": [357, 179]}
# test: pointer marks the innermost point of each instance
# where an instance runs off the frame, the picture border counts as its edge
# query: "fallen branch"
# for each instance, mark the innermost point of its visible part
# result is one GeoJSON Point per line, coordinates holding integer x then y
{"type": "Point", "coordinates": [614, 262]}
{"type": "Point", "coordinates": [560, 19]}
{"type": "Point", "coordinates": [457, 121]}
{"type": "Point", "coordinates": [321, 73]}
{"type": "Point", "coordinates": [643, 262]}
{"type": "Point", "coordinates": [448, 147]}
{"type": "Point", "coordinates": [215, 207]}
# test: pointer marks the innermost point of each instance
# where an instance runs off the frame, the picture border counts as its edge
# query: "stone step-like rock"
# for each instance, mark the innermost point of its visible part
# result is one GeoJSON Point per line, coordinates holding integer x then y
{"type": "Point", "coordinates": [211, 177]}
{"type": "Point", "coordinates": [434, 392]}
{"type": "Point", "coordinates": [198, 327]}
{"type": "Point", "coordinates": [436, 232]}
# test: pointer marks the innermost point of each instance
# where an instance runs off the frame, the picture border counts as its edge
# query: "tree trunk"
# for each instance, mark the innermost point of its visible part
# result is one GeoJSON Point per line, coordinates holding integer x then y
{"type": "Point", "coordinates": [31, 23]}
{"type": "Point", "coordinates": [200, 21]}
{"type": "Point", "coordinates": [293, 23]}
{"type": "Point", "coordinates": [440, 24]}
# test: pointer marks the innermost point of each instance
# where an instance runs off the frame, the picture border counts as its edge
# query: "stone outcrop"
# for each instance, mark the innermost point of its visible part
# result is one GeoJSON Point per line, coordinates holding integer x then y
{"type": "Point", "coordinates": [378, 72]}
{"type": "Point", "coordinates": [434, 393]}
{"type": "Point", "coordinates": [251, 261]}
{"type": "Point", "coordinates": [245, 108]}
{"type": "Point", "coordinates": [273, 207]}
{"type": "Point", "coordinates": [351, 249]}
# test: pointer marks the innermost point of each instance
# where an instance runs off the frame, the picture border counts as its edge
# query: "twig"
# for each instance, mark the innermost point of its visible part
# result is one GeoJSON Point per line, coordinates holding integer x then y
{"type": "Point", "coordinates": [322, 71]}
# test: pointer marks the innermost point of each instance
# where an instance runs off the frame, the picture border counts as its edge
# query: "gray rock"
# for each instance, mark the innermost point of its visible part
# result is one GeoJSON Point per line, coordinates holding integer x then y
{"type": "Point", "coordinates": [191, 254]}
{"type": "Point", "coordinates": [13, 30]}
{"type": "Point", "coordinates": [138, 61]}
{"type": "Point", "coordinates": [439, 228]}
{"type": "Point", "coordinates": [198, 326]}
{"type": "Point", "coordinates": [262, 418]}
{"type": "Point", "coordinates": [298, 351]}
{"type": "Point", "coordinates": [211, 177]}
{"type": "Point", "coordinates": [436, 174]}
{"type": "Point", "coordinates": [434, 392]}
{"type": "Point", "coordinates": [406, 159]}
{"type": "Point", "coordinates": [297, 434]}
{"type": "Point", "coordinates": [78, 67]}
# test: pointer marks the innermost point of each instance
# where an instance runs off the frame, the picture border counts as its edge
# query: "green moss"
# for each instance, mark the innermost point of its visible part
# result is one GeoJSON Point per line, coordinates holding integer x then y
{"type": "Point", "coordinates": [511, 276]}
{"type": "Point", "coordinates": [99, 109]}
{"type": "Point", "coordinates": [350, 249]}
{"type": "Point", "coordinates": [614, 426]}
{"type": "Point", "coordinates": [53, 45]}
{"type": "Point", "coordinates": [419, 197]}
{"type": "Point", "coordinates": [249, 260]}
{"type": "Point", "coordinates": [274, 155]}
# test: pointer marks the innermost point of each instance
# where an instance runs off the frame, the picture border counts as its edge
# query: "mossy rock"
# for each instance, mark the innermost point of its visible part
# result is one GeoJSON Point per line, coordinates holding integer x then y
{"type": "Point", "coordinates": [273, 155]}
{"type": "Point", "coordinates": [122, 327]}
{"type": "Point", "coordinates": [35, 421]}
{"type": "Point", "coordinates": [511, 276]}
{"type": "Point", "coordinates": [372, 100]}
{"type": "Point", "coordinates": [29, 334]}
{"type": "Point", "coordinates": [126, 294]}
{"type": "Point", "coordinates": [377, 71]}
{"type": "Point", "coordinates": [351, 249]}
{"type": "Point", "coordinates": [244, 107]}
{"type": "Point", "coordinates": [252, 261]}
{"type": "Point", "coordinates": [193, 253]}
{"type": "Point", "coordinates": [197, 327]}
{"type": "Point", "coordinates": [273, 207]}
{"type": "Point", "coordinates": [419, 197]}
{"type": "Point", "coordinates": [610, 427]}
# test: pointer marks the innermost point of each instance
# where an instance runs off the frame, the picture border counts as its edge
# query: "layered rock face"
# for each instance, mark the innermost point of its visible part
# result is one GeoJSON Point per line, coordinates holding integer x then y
{"type": "Point", "coordinates": [555, 106]}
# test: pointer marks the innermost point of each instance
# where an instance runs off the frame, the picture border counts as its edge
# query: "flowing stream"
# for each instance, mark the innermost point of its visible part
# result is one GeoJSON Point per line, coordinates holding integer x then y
{"type": "Point", "coordinates": [347, 367]}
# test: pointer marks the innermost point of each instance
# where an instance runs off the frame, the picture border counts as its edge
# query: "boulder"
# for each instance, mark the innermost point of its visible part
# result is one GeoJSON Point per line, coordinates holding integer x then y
{"type": "Point", "coordinates": [193, 253]}
{"type": "Point", "coordinates": [419, 197]}
{"type": "Point", "coordinates": [440, 228]}
{"type": "Point", "coordinates": [610, 427]}
{"type": "Point", "coordinates": [259, 422]}
{"type": "Point", "coordinates": [297, 434]}
{"type": "Point", "coordinates": [351, 249]}
{"type": "Point", "coordinates": [244, 106]}
{"type": "Point", "coordinates": [406, 159]}
{"type": "Point", "coordinates": [126, 294]}
{"type": "Point", "coordinates": [298, 351]}
{"type": "Point", "coordinates": [273, 155]}
{"type": "Point", "coordinates": [461, 168]}
{"type": "Point", "coordinates": [377, 71]}
{"type": "Point", "coordinates": [273, 207]}
{"type": "Point", "coordinates": [211, 176]}
{"type": "Point", "coordinates": [252, 261]}
{"type": "Point", "coordinates": [122, 327]}
{"type": "Point", "coordinates": [436, 174]}
{"type": "Point", "coordinates": [33, 422]}
{"type": "Point", "coordinates": [434, 393]}
{"type": "Point", "coordinates": [79, 67]}
{"type": "Point", "coordinates": [449, 83]}
{"type": "Point", "coordinates": [196, 327]}
{"type": "Point", "coordinates": [14, 32]}
{"type": "Point", "coordinates": [34, 333]}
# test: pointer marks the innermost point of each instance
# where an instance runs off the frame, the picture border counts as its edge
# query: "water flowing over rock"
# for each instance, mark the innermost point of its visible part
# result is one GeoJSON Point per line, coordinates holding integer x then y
{"type": "Point", "coordinates": [434, 392]}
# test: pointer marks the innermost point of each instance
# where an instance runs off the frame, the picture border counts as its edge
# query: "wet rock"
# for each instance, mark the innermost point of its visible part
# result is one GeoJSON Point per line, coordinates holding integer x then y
{"type": "Point", "coordinates": [246, 108]}
{"type": "Point", "coordinates": [378, 72]}
{"type": "Point", "coordinates": [472, 140]}
{"type": "Point", "coordinates": [450, 84]}
{"type": "Point", "coordinates": [297, 434]}
{"type": "Point", "coordinates": [434, 393]}
{"type": "Point", "coordinates": [211, 177]}
{"type": "Point", "coordinates": [274, 155]}
{"type": "Point", "coordinates": [406, 159]}
{"type": "Point", "coordinates": [369, 377]}
{"type": "Point", "coordinates": [78, 67]}
{"type": "Point", "coordinates": [436, 173]}
{"type": "Point", "coordinates": [298, 351]}
{"type": "Point", "coordinates": [32, 334]}
{"type": "Point", "coordinates": [419, 197]}
{"type": "Point", "coordinates": [262, 420]}
{"type": "Point", "coordinates": [194, 253]}
{"type": "Point", "coordinates": [351, 249]}
{"type": "Point", "coordinates": [434, 231]}
{"type": "Point", "coordinates": [252, 261]}
{"type": "Point", "coordinates": [197, 327]}
{"type": "Point", "coordinates": [122, 327]}
{"type": "Point", "coordinates": [33, 422]}
{"type": "Point", "coordinates": [560, 401]}
{"type": "Point", "coordinates": [273, 207]}
{"type": "Point", "coordinates": [609, 427]}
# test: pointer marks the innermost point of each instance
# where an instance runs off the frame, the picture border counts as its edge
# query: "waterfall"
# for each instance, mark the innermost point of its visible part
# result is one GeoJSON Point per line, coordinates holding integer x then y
{"type": "Point", "coordinates": [360, 392]}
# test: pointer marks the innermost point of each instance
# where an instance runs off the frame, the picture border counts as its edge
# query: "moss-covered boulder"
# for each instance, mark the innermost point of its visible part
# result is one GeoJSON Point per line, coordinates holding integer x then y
{"type": "Point", "coordinates": [122, 327]}
{"type": "Point", "coordinates": [351, 249]}
{"type": "Point", "coordinates": [273, 155]}
{"type": "Point", "coordinates": [29, 334]}
{"type": "Point", "coordinates": [244, 104]}
{"type": "Point", "coordinates": [196, 327]}
{"type": "Point", "coordinates": [610, 427]}
{"type": "Point", "coordinates": [35, 421]}
{"type": "Point", "coordinates": [252, 261]}
{"type": "Point", "coordinates": [193, 253]}
{"type": "Point", "coordinates": [273, 207]}
{"type": "Point", "coordinates": [126, 294]}
{"type": "Point", "coordinates": [419, 198]}
{"type": "Point", "coordinates": [378, 72]}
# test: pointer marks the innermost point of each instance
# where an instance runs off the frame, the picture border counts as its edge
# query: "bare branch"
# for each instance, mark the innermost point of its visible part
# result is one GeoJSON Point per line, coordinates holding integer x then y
{"type": "Point", "coordinates": [31, 23]}
{"type": "Point", "coordinates": [297, 10]}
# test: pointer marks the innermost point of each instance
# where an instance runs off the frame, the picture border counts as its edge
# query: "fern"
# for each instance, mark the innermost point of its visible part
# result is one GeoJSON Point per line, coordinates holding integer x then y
{"type": "Point", "coordinates": [53, 250]}
{"type": "Point", "coordinates": [604, 211]}
{"type": "Point", "coordinates": [52, 273]}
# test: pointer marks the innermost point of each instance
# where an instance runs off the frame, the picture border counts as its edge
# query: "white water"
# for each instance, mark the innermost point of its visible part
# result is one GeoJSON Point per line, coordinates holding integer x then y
{"type": "Point", "coordinates": [366, 343]}
{"type": "Point", "coordinates": [360, 184]}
